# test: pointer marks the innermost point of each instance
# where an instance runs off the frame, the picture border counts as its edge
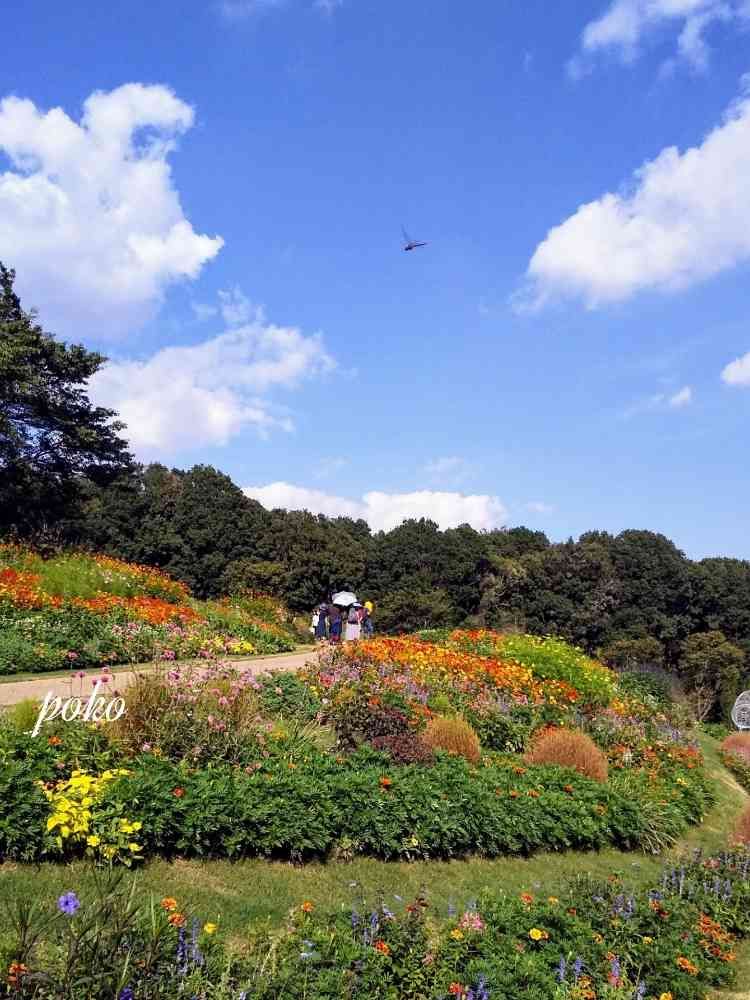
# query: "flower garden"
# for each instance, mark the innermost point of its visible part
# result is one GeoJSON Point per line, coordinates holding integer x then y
{"type": "Point", "coordinates": [87, 610]}
{"type": "Point", "coordinates": [408, 751]}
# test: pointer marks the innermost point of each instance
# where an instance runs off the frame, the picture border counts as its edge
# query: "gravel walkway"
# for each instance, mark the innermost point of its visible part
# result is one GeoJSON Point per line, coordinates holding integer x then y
{"type": "Point", "coordinates": [15, 691]}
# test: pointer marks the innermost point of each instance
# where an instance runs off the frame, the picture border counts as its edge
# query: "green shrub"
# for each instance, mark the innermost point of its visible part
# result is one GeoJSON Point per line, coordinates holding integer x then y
{"type": "Point", "coordinates": [23, 816]}
{"type": "Point", "coordinates": [283, 693]}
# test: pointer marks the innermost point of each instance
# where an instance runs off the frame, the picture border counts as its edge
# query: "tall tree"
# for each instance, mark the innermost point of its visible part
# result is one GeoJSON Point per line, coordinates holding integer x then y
{"type": "Point", "coordinates": [51, 437]}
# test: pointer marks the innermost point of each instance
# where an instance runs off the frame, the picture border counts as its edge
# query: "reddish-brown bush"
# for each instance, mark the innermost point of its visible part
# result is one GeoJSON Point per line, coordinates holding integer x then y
{"type": "Point", "coordinates": [738, 743]}
{"type": "Point", "coordinates": [406, 748]}
{"type": "Point", "coordinates": [742, 830]}
{"type": "Point", "coordinates": [569, 748]}
{"type": "Point", "coordinates": [454, 735]}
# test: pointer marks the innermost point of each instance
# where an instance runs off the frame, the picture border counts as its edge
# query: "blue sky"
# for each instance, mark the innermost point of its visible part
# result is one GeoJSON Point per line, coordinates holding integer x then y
{"type": "Point", "coordinates": [217, 204]}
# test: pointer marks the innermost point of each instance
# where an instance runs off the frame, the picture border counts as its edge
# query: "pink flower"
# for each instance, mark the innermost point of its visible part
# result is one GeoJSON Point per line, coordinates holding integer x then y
{"type": "Point", "coordinates": [71, 655]}
{"type": "Point", "coordinates": [81, 674]}
{"type": "Point", "coordinates": [106, 670]}
{"type": "Point", "coordinates": [104, 679]}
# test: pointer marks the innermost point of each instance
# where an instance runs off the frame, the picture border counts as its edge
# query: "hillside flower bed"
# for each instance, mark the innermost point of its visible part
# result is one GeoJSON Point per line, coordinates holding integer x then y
{"type": "Point", "coordinates": [354, 755]}
{"type": "Point", "coordinates": [91, 610]}
{"type": "Point", "coordinates": [587, 940]}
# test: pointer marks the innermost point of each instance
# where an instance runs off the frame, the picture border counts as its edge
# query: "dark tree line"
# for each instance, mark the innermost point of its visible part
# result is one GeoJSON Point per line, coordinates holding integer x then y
{"type": "Point", "coordinates": [66, 478]}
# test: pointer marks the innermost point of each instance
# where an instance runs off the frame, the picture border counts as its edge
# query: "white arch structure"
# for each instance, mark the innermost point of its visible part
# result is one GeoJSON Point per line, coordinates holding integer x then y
{"type": "Point", "coordinates": [741, 711]}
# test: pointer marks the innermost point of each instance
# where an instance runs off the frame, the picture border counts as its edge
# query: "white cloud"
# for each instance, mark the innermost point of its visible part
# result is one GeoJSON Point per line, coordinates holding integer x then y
{"type": "Point", "coordinates": [682, 398]}
{"type": "Point", "coordinates": [625, 25]}
{"type": "Point", "coordinates": [539, 507]}
{"type": "Point", "coordinates": [685, 218]}
{"type": "Point", "coordinates": [448, 470]}
{"type": "Point", "coordinates": [384, 511]}
{"type": "Point", "coordinates": [660, 401]}
{"type": "Point", "coordinates": [89, 215]}
{"type": "Point", "coordinates": [737, 372]}
{"type": "Point", "coordinates": [326, 467]}
{"type": "Point", "coordinates": [207, 393]}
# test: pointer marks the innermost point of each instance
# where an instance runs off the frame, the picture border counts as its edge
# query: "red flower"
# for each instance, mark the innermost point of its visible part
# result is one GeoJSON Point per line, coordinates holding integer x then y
{"type": "Point", "coordinates": [178, 792]}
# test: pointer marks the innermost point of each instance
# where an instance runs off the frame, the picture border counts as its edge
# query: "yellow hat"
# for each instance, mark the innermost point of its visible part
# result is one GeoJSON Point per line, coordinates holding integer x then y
{"type": "Point", "coordinates": [368, 605]}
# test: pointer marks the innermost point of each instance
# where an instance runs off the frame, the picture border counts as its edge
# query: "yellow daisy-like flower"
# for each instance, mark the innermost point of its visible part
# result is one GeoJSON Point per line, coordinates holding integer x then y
{"type": "Point", "coordinates": [648, 940]}
{"type": "Point", "coordinates": [537, 934]}
{"type": "Point", "coordinates": [209, 928]}
{"type": "Point", "coordinates": [457, 934]}
{"type": "Point", "coordinates": [93, 840]}
{"type": "Point", "coordinates": [553, 900]}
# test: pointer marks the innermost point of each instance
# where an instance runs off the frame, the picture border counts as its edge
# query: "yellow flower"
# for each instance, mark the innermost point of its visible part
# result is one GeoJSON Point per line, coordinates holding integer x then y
{"type": "Point", "coordinates": [666, 996]}
{"type": "Point", "coordinates": [132, 846]}
{"type": "Point", "coordinates": [209, 928]}
{"type": "Point", "coordinates": [648, 940]}
{"type": "Point", "coordinates": [553, 900]}
{"type": "Point", "coordinates": [536, 934]}
{"type": "Point", "coordinates": [93, 840]}
{"type": "Point", "coordinates": [456, 934]}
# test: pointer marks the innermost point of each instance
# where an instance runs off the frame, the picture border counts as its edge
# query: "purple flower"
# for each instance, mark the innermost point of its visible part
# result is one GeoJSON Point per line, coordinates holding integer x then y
{"type": "Point", "coordinates": [68, 904]}
{"type": "Point", "coordinates": [561, 969]}
{"type": "Point", "coordinates": [126, 993]}
{"type": "Point", "coordinates": [577, 968]}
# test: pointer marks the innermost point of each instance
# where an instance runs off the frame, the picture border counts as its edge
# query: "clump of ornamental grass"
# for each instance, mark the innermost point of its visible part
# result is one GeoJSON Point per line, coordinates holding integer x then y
{"type": "Point", "coordinates": [569, 748]}
{"type": "Point", "coordinates": [455, 735]}
{"type": "Point", "coordinates": [739, 744]}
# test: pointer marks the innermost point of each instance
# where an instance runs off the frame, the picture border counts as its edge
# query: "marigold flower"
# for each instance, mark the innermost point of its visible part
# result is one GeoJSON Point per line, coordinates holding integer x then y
{"type": "Point", "coordinates": [456, 990]}
{"type": "Point", "coordinates": [169, 903]}
{"type": "Point", "coordinates": [176, 919]}
{"type": "Point", "coordinates": [666, 996]}
{"type": "Point", "coordinates": [178, 792]}
{"type": "Point", "coordinates": [307, 906]}
{"type": "Point", "coordinates": [385, 782]}
{"type": "Point", "coordinates": [526, 898]}
{"type": "Point", "coordinates": [537, 934]}
{"type": "Point", "coordinates": [457, 934]}
{"type": "Point", "coordinates": [382, 947]}
{"type": "Point", "coordinates": [54, 741]}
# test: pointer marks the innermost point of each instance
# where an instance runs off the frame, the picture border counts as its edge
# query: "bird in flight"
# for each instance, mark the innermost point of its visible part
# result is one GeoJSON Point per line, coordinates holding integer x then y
{"type": "Point", "coordinates": [409, 243]}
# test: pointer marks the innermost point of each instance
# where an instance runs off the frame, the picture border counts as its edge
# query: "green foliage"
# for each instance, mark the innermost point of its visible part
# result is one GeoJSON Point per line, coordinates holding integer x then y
{"type": "Point", "coordinates": [629, 654]}
{"type": "Point", "coordinates": [50, 434]}
{"type": "Point", "coordinates": [410, 610]}
{"type": "Point", "coordinates": [24, 814]}
{"type": "Point", "coordinates": [284, 694]}
{"type": "Point", "coordinates": [712, 666]}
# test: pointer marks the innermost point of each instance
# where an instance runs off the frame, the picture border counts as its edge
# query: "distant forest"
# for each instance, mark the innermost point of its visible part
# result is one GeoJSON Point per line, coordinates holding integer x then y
{"type": "Point", "coordinates": [66, 477]}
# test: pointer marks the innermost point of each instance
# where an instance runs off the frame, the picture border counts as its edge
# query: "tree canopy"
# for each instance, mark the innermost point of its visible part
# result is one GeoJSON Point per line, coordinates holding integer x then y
{"type": "Point", "coordinates": [51, 437]}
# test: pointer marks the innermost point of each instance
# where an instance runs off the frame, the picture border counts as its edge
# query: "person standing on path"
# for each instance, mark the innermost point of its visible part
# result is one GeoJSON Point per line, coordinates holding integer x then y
{"type": "Point", "coordinates": [352, 623]}
{"type": "Point", "coordinates": [321, 631]}
{"type": "Point", "coordinates": [334, 618]}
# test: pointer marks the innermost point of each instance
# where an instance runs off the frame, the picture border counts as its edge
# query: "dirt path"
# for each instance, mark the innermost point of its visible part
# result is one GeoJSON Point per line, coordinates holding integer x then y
{"type": "Point", "coordinates": [15, 691]}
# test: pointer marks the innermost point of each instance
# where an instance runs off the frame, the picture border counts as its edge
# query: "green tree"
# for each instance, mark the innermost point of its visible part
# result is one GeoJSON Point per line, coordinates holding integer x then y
{"type": "Point", "coordinates": [51, 437]}
{"type": "Point", "coordinates": [711, 667]}
{"type": "Point", "coordinates": [629, 654]}
{"type": "Point", "coordinates": [409, 610]}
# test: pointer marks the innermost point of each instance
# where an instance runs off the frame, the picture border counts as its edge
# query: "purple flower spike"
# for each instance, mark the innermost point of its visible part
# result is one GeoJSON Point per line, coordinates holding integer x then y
{"type": "Point", "coordinates": [68, 904]}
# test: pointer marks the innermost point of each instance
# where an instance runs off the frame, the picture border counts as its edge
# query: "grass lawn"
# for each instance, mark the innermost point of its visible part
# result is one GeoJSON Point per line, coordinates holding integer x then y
{"type": "Point", "coordinates": [256, 891]}
{"type": "Point", "coordinates": [127, 667]}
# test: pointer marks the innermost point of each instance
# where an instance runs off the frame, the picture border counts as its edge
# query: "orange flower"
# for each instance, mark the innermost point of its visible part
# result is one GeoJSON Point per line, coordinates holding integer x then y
{"type": "Point", "coordinates": [54, 741]}
{"type": "Point", "coordinates": [307, 906]}
{"type": "Point", "coordinates": [526, 898]}
{"type": "Point", "coordinates": [568, 788]}
{"type": "Point", "coordinates": [687, 966]}
{"type": "Point", "coordinates": [177, 919]}
{"type": "Point", "coordinates": [513, 794]}
{"type": "Point", "coordinates": [382, 947]}
{"type": "Point", "coordinates": [456, 990]}
{"type": "Point", "coordinates": [178, 792]}
{"type": "Point", "coordinates": [169, 903]}
{"type": "Point", "coordinates": [532, 794]}
{"type": "Point", "coordinates": [385, 782]}
{"type": "Point", "coordinates": [15, 971]}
